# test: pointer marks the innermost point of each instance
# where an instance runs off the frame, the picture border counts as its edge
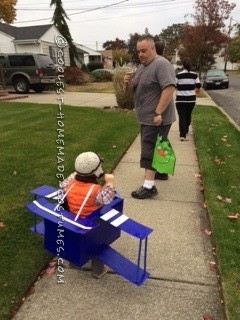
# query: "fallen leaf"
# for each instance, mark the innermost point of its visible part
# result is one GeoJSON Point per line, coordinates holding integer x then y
{"type": "Point", "coordinates": [51, 270]}
{"type": "Point", "coordinates": [207, 317]}
{"type": "Point", "coordinates": [207, 231]}
{"type": "Point", "coordinates": [227, 200]}
{"type": "Point", "coordinates": [42, 272]}
{"type": "Point", "coordinates": [233, 217]}
{"type": "Point", "coordinates": [2, 225]}
{"type": "Point", "coordinates": [31, 291]}
{"type": "Point", "coordinates": [217, 160]}
{"type": "Point", "coordinates": [52, 263]}
{"type": "Point", "coordinates": [197, 175]}
{"type": "Point", "coordinates": [14, 173]}
{"type": "Point", "coordinates": [213, 265]}
{"type": "Point", "coordinates": [205, 205]}
{"type": "Point", "coordinates": [224, 140]}
{"type": "Point", "coordinates": [201, 190]}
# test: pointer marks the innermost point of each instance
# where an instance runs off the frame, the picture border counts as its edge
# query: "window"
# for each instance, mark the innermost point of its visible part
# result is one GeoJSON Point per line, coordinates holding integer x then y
{"type": "Point", "coordinates": [21, 61]}
{"type": "Point", "coordinates": [53, 54]}
{"type": "Point", "coordinates": [2, 61]}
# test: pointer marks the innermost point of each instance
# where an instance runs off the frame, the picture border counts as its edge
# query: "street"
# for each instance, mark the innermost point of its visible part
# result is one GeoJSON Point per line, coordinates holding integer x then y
{"type": "Point", "coordinates": [229, 99]}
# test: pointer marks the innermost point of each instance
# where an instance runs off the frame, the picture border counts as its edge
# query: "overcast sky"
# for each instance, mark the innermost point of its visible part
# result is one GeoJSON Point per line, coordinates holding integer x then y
{"type": "Point", "coordinates": [92, 22]}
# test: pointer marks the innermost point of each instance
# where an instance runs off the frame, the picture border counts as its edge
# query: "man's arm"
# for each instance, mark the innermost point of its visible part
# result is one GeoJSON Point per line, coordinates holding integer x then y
{"type": "Point", "coordinates": [165, 99]}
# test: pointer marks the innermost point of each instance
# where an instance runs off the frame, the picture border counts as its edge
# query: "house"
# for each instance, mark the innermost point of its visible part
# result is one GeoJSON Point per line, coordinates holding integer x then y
{"type": "Point", "coordinates": [107, 56]}
{"type": "Point", "coordinates": [220, 61]}
{"type": "Point", "coordinates": [33, 39]}
{"type": "Point", "coordinates": [87, 55]}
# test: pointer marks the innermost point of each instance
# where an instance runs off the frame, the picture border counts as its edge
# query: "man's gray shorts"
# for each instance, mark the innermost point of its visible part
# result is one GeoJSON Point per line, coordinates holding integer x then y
{"type": "Point", "coordinates": [148, 139]}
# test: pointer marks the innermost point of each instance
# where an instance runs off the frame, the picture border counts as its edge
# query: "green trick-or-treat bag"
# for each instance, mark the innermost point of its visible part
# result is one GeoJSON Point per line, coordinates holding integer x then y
{"type": "Point", "coordinates": [164, 158]}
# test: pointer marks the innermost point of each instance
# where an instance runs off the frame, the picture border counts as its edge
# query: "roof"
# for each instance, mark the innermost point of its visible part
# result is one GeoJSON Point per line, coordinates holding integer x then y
{"type": "Point", "coordinates": [106, 53]}
{"type": "Point", "coordinates": [25, 33]}
{"type": "Point", "coordinates": [87, 50]}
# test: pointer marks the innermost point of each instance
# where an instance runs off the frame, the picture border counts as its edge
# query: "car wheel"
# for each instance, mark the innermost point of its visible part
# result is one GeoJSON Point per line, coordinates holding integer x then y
{"type": "Point", "coordinates": [227, 86]}
{"type": "Point", "coordinates": [39, 88]}
{"type": "Point", "coordinates": [21, 85]}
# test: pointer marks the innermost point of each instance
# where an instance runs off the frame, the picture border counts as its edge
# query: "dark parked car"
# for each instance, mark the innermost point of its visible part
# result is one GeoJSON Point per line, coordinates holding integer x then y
{"type": "Point", "coordinates": [215, 79]}
{"type": "Point", "coordinates": [25, 71]}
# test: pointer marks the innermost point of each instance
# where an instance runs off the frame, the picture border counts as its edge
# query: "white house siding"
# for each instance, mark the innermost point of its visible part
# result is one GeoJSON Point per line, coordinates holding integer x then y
{"type": "Point", "coordinates": [51, 49]}
{"type": "Point", "coordinates": [28, 48]}
{"type": "Point", "coordinates": [48, 40]}
{"type": "Point", "coordinates": [6, 44]}
{"type": "Point", "coordinates": [86, 58]}
{"type": "Point", "coordinates": [220, 64]}
{"type": "Point", "coordinates": [49, 36]}
{"type": "Point", "coordinates": [89, 55]}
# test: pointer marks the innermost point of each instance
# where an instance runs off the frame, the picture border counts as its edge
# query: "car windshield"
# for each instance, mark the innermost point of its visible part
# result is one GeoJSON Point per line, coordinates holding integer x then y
{"type": "Point", "coordinates": [216, 73]}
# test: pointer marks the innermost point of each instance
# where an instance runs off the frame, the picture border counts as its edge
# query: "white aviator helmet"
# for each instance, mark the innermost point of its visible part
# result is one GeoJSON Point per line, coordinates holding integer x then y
{"type": "Point", "coordinates": [88, 164]}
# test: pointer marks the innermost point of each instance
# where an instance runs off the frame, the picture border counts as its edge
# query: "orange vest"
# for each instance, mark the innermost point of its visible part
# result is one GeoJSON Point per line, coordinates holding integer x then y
{"type": "Point", "coordinates": [77, 194]}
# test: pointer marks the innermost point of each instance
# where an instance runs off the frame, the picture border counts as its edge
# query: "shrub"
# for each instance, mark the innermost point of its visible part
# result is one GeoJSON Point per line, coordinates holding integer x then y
{"type": "Point", "coordinates": [123, 96]}
{"type": "Point", "coordinates": [101, 75]}
{"type": "Point", "coordinates": [95, 65]}
{"type": "Point", "coordinates": [84, 68]}
{"type": "Point", "coordinates": [74, 76]}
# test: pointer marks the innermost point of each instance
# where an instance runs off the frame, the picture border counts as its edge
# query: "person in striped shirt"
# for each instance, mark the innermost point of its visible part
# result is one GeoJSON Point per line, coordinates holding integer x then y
{"type": "Point", "coordinates": [188, 86]}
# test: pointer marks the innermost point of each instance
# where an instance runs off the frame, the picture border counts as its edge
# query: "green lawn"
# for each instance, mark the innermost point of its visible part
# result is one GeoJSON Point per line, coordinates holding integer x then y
{"type": "Point", "coordinates": [29, 159]}
{"type": "Point", "coordinates": [217, 142]}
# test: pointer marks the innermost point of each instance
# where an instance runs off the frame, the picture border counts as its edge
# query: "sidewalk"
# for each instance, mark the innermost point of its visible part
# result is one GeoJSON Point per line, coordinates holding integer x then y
{"type": "Point", "coordinates": [78, 99]}
{"type": "Point", "coordinates": [181, 286]}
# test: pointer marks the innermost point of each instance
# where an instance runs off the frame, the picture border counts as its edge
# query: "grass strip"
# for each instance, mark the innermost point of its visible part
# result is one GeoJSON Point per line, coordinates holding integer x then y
{"type": "Point", "coordinates": [29, 158]}
{"type": "Point", "coordinates": [217, 142]}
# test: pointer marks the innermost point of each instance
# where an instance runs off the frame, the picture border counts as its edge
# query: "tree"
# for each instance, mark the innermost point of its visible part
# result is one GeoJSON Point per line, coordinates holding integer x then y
{"type": "Point", "coordinates": [114, 44]}
{"type": "Point", "coordinates": [172, 36]}
{"type": "Point", "coordinates": [202, 40]}
{"type": "Point", "coordinates": [201, 44]}
{"type": "Point", "coordinates": [233, 50]}
{"type": "Point", "coordinates": [132, 44]}
{"type": "Point", "coordinates": [60, 23]}
{"type": "Point", "coordinates": [121, 56]}
{"type": "Point", "coordinates": [7, 10]}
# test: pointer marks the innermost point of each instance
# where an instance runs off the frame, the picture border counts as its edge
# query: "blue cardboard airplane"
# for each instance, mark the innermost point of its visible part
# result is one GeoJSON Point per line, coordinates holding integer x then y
{"type": "Point", "coordinates": [81, 240]}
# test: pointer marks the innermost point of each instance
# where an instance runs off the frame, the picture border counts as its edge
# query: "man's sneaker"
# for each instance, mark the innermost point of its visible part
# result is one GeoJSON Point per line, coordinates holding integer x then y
{"type": "Point", "coordinates": [143, 193]}
{"type": "Point", "coordinates": [161, 176]}
{"type": "Point", "coordinates": [182, 139]}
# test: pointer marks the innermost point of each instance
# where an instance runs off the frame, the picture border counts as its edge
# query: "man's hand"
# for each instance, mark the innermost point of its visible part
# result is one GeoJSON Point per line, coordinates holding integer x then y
{"type": "Point", "coordinates": [127, 79]}
{"type": "Point", "coordinates": [157, 120]}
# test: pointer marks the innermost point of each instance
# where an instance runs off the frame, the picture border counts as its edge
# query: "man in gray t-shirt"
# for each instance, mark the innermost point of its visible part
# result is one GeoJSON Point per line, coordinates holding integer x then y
{"type": "Point", "coordinates": [153, 85]}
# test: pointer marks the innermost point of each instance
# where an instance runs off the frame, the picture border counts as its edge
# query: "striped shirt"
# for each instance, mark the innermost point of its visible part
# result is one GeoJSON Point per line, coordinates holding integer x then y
{"type": "Point", "coordinates": [187, 82]}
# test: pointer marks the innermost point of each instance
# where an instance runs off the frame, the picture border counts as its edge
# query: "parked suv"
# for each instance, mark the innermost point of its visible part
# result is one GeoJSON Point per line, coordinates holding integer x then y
{"type": "Point", "coordinates": [27, 71]}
